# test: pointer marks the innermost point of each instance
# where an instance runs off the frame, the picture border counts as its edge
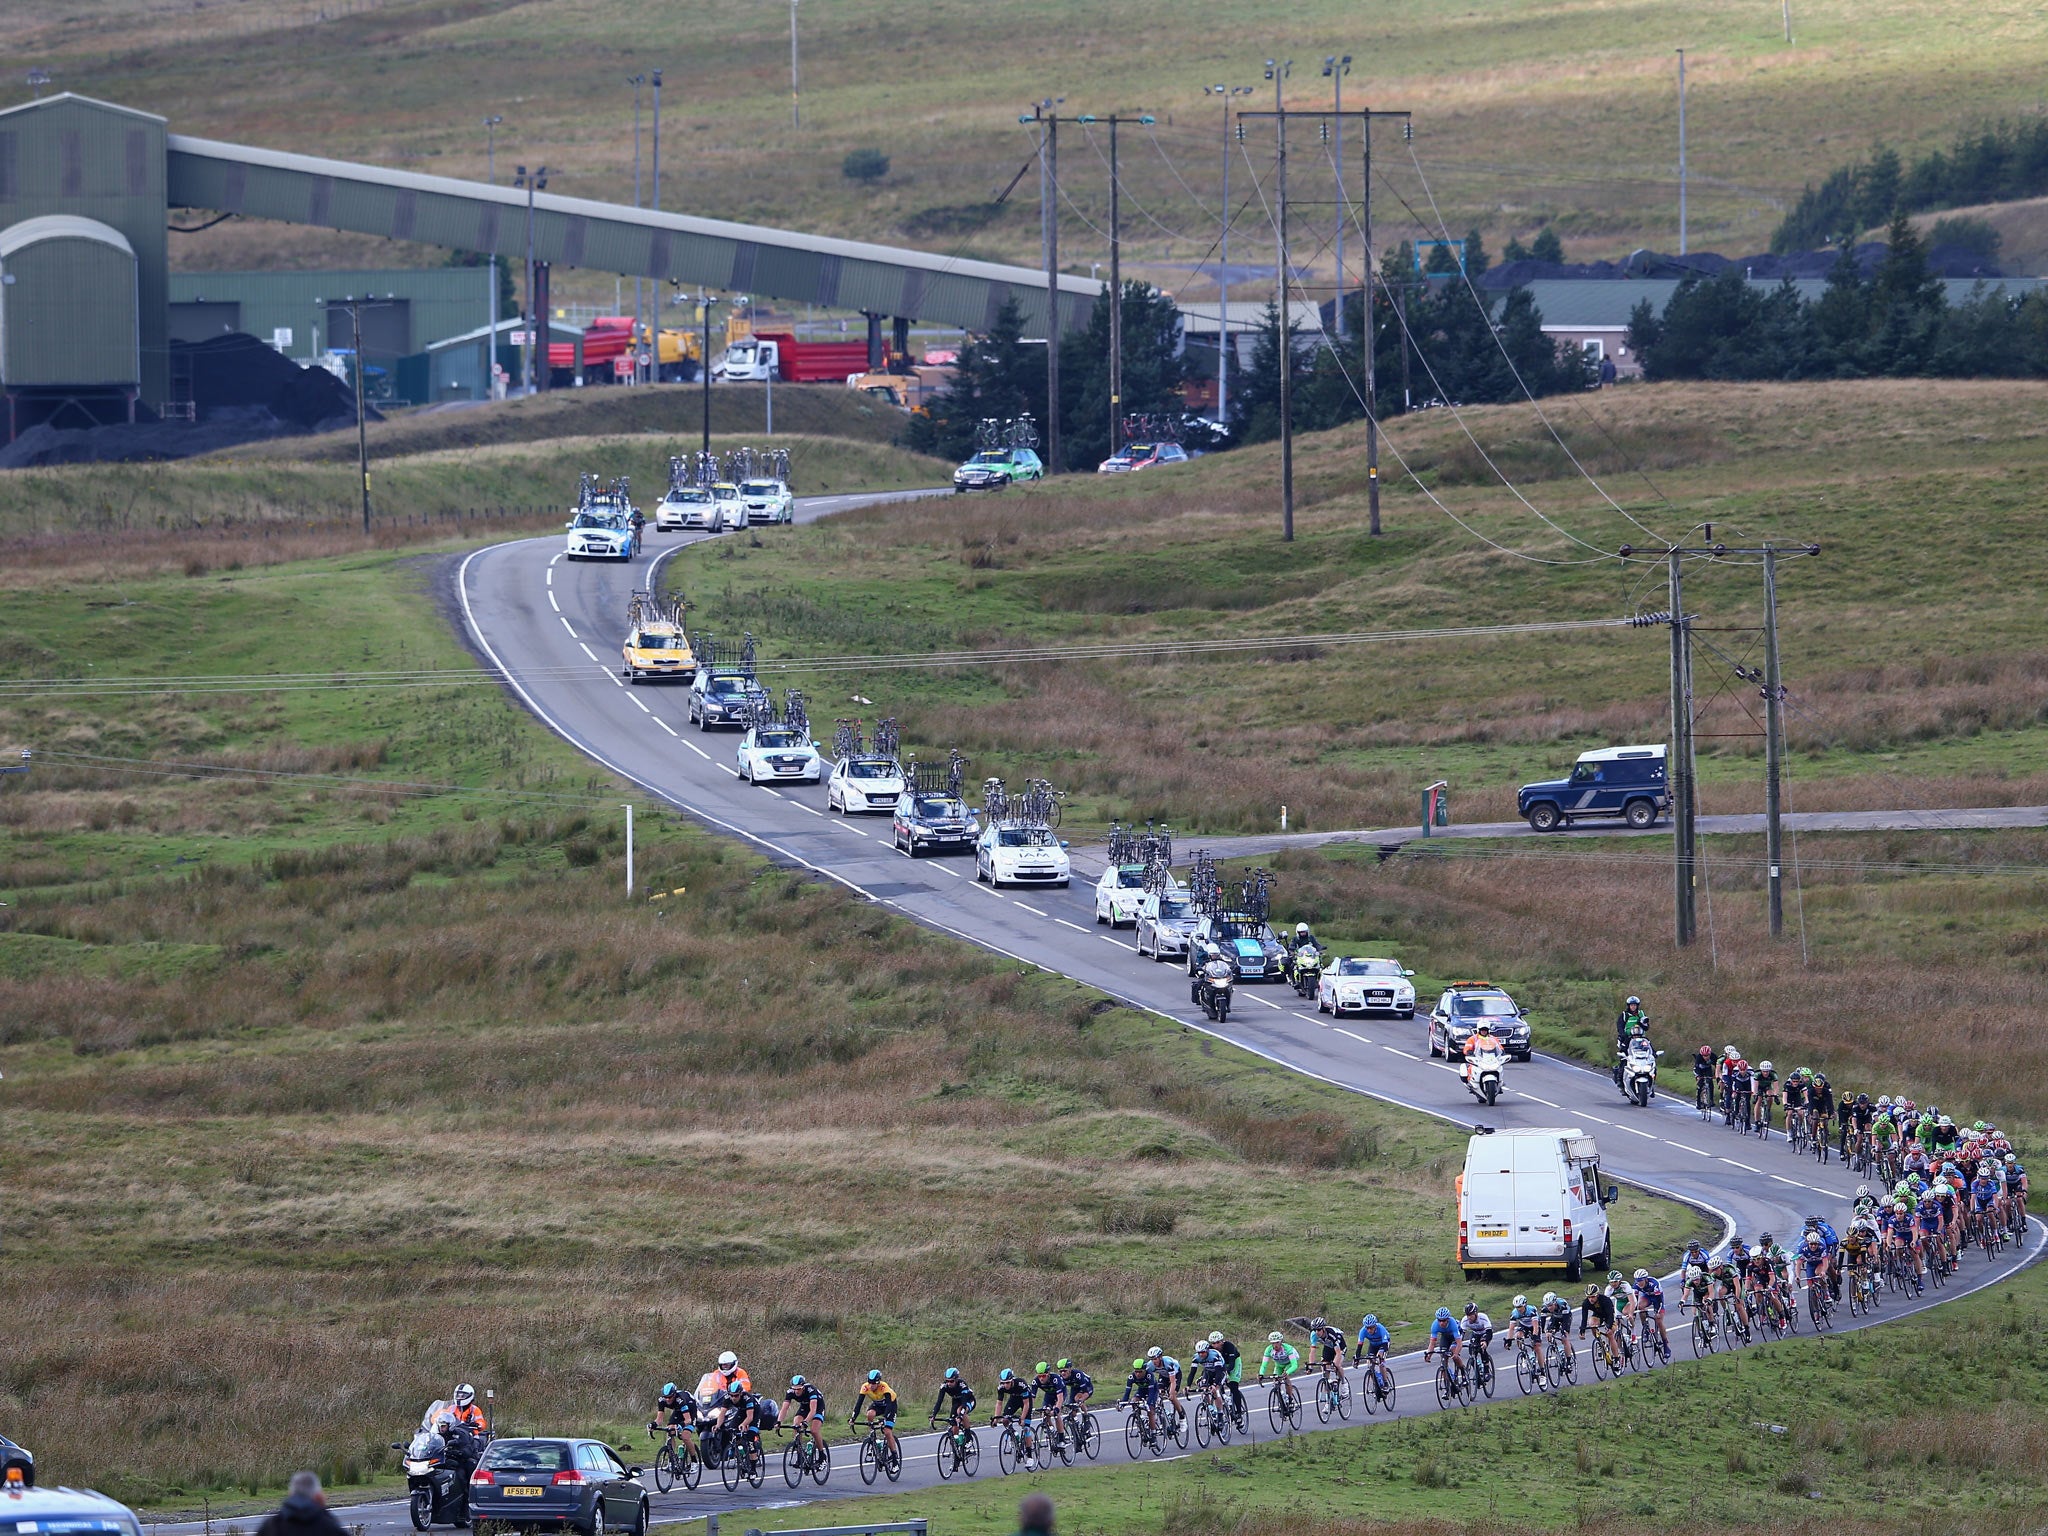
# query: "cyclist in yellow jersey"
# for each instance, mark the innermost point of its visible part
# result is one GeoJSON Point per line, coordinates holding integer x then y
{"type": "Point", "coordinates": [879, 1399]}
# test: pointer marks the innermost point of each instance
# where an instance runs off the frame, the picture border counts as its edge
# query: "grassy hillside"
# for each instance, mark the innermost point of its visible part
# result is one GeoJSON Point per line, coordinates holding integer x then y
{"type": "Point", "coordinates": [315, 1065]}
{"type": "Point", "coordinates": [1525, 109]}
{"type": "Point", "coordinates": [1913, 647]}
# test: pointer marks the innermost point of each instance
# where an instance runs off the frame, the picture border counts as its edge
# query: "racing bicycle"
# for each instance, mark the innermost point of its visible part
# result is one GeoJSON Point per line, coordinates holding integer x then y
{"type": "Point", "coordinates": [1376, 1387]}
{"type": "Point", "coordinates": [877, 1457]}
{"type": "Point", "coordinates": [1283, 1408]}
{"type": "Point", "coordinates": [1532, 1371]}
{"type": "Point", "coordinates": [745, 1462]}
{"type": "Point", "coordinates": [958, 1450]}
{"type": "Point", "coordinates": [1333, 1395]}
{"type": "Point", "coordinates": [802, 1459]}
{"type": "Point", "coordinates": [677, 1461]}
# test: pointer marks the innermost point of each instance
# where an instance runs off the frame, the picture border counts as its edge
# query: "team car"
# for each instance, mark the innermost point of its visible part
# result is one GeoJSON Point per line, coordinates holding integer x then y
{"type": "Point", "coordinates": [864, 783]}
{"type": "Point", "coordinates": [16, 1463]}
{"type": "Point", "coordinates": [684, 508]}
{"type": "Point", "coordinates": [1142, 456]}
{"type": "Point", "coordinates": [1247, 942]}
{"type": "Point", "coordinates": [1166, 921]}
{"type": "Point", "coordinates": [769, 753]}
{"type": "Point", "coordinates": [1009, 854]}
{"type": "Point", "coordinates": [768, 501]}
{"type": "Point", "coordinates": [732, 511]}
{"type": "Point", "coordinates": [655, 651]}
{"type": "Point", "coordinates": [601, 532]}
{"type": "Point", "coordinates": [1359, 984]}
{"type": "Point", "coordinates": [1459, 1011]}
{"type": "Point", "coordinates": [932, 824]}
{"type": "Point", "coordinates": [721, 698]}
{"type": "Point", "coordinates": [1120, 895]}
{"type": "Point", "coordinates": [993, 468]}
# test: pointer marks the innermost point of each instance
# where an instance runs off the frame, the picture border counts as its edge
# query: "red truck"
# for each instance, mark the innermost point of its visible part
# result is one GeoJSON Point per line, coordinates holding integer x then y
{"type": "Point", "coordinates": [780, 356]}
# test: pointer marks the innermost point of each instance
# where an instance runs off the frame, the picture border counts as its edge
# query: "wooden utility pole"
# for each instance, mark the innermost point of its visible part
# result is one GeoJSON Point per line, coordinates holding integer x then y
{"type": "Point", "coordinates": [1049, 182]}
{"type": "Point", "coordinates": [1774, 750]}
{"type": "Point", "coordinates": [355, 311]}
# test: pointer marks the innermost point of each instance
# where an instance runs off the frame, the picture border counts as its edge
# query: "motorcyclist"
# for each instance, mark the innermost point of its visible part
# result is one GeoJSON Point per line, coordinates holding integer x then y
{"type": "Point", "coordinates": [1484, 1042]}
{"type": "Point", "coordinates": [465, 1408]}
{"type": "Point", "coordinates": [460, 1452]}
{"type": "Point", "coordinates": [1629, 1023]}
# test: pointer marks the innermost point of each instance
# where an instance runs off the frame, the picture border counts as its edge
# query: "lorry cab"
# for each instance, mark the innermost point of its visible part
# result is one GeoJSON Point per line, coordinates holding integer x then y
{"type": "Point", "coordinates": [1628, 782]}
{"type": "Point", "coordinates": [1532, 1199]}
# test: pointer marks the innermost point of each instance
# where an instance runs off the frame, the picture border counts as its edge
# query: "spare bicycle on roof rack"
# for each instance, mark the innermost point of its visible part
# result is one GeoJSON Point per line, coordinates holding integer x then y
{"type": "Point", "coordinates": [1018, 845]}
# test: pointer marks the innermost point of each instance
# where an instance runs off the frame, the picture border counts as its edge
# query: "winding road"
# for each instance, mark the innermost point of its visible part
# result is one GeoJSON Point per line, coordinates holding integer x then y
{"type": "Point", "coordinates": [554, 630]}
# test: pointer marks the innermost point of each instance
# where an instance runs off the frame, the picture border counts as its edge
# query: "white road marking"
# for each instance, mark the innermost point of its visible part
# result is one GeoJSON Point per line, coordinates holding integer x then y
{"type": "Point", "coordinates": [1743, 1166]}
{"type": "Point", "coordinates": [566, 625]}
{"type": "Point", "coordinates": [958, 876]}
{"type": "Point", "coordinates": [856, 831]}
{"type": "Point", "coordinates": [730, 769]}
{"type": "Point", "coordinates": [1783, 1180]}
{"type": "Point", "coordinates": [551, 575]}
{"type": "Point", "coordinates": [811, 808]}
{"type": "Point", "coordinates": [617, 682]}
{"type": "Point", "coordinates": [1533, 1099]}
{"type": "Point", "coordinates": [1119, 943]}
{"type": "Point", "coordinates": [552, 562]}
{"type": "Point", "coordinates": [1065, 924]}
{"type": "Point", "coordinates": [1027, 907]}
{"type": "Point", "coordinates": [775, 792]}
{"type": "Point", "coordinates": [1409, 1055]}
{"type": "Point", "coordinates": [664, 725]}
{"type": "Point", "coordinates": [551, 597]}
{"type": "Point", "coordinates": [1646, 1135]}
{"type": "Point", "coordinates": [586, 650]}
{"type": "Point", "coordinates": [1594, 1118]}
{"type": "Point", "coordinates": [637, 700]}
{"type": "Point", "coordinates": [698, 750]}
{"type": "Point", "coordinates": [1272, 1005]}
{"type": "Point", "coordinates": [1359, 1038]}
{"type": "Point", "coordinates": [985, 890]}
{"type": "Point", "coordinates": [1695, 1151]}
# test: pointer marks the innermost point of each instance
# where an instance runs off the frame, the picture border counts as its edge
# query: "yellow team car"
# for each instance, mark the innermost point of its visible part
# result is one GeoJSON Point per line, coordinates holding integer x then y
{"type": "Point", "coordinates": [657, 650]}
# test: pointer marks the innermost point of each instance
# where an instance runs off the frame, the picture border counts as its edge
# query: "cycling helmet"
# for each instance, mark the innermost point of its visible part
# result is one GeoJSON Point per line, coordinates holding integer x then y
{"type": "Point", "coordinates": [1614, 1277]}
{"type": "Point", "coordinates": [1947, 1124]}
{"type": "Point", "coordinates": [1316, 1326]}
{"type": "Point", "coordinates": [1812, 1222]}
{"type": "Point", "coordinates": [952, 1374]}
{"type": "Point", "coordinates": [1063, 1364]}
{"type": "Point", "coordinates": [2012, 1157]}
{"type": "Point", "coordinates": [1151, 1354]}
{"type": "Point", "coordinates": [1275, 1337]}
{"type": "Point", "coordinates": [1766, 1240]}
{"type": "Point", "coordinates": [1200, 1347]}
{"type": "Point", "coordinates": [728, 1360]}
{"type": "Point", "coordinates": [796, 1381]}
{"type": "Point", "coordinates": [1549, 1297]}
{"type": "Point", "coordinates": [1730, 1052]}
{"type": "Point", "coordinates": [1593, 1290]}
{"type": "Point", "coordinates": [1811, 1240]}
{"type": "Point", "coordinates": [1884, 1101]}
{"type": "Point", "coordinates": [1980, 1127]}
{"type": "Point", "coordinates": [1216, 1337]}
{"type": "Point", "coordinates": [1633, 1002]}
{"type": "Point", "coordinates": [668, 1387]}
{"type": "Point", "coordinates": [1009, 1375]}
{"type": "Point", "coordinates": [1043, 1367]}
{"type": "Point", "coordinates": [1767, 1066]}
{"type": "Point", "coordinates": [1137, 1365]}
{"type": "Point", "coordinates": [1694, 1272]}
{"type": "Point", "coordinates": [1862, 1191]}
{"type": "Point", "coordinates": [1372, 1320]}
{"type": "Point", "coordinates": [874, 1376]}
{"type": "Point", "coordinates": [1642, 1274]}
{"type": "Point", "coordinates": [1471, 1307]}
{"type": "Point", "coordinates": [1521, 1301]}
{"type": "Point", "coordinates": [1443, 1314]}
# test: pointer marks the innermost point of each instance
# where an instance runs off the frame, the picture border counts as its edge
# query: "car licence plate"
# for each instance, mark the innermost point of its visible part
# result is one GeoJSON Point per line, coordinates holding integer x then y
{"type": "Point", "coordinates": [516, 1491]}
{"type": "Point", "coordinates": [1493, 1231]}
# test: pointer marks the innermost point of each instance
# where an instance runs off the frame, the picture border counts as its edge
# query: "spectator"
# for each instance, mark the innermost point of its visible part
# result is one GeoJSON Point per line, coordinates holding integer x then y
{"type": "Point", "coordinates": [303, 1513]}
{"type": "Point", "coordinates": [1034, 1515]}
{"type": "Point", "coordinates": [1607, 372]}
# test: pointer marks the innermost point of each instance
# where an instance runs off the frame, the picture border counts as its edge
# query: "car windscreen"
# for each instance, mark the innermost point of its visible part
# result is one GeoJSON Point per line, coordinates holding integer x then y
{"type": "Point", "coordinates": [941, 810]}
{"type": "Point", "coordinates": [689, 496]}
{"type": "Point", "coordinates": [1488, 1005]}
{"type": "Point", "coordinates": [1367, 968]}
{"type": "Point", "coordinates": [1131, 879]}
{"type": "Point", "coordinates": [1170, 908]}
{"type": "Point", "coordinates": [726, 687]}
{"type": "Point", "coordinates": [760, 488]}
{"type": "Point", "coordinates": [527, 1456]}
{"type": "Point", "coordinates": [1145, 450]}
{"type": "Point", "coordinates": [990, 458]}
{"type": "Point", "coordinates": [869, 770]}
{"type": "Point", "coordinates": [656, 642]}
{"type": "Point", "coordinates": [1025, 837]}
{"type": "Point", "coordinates": [778, 739]}
{"type": "Point", "coordinates": [726, 492]}
{"type": "Point", "coordinates": [593, 519]}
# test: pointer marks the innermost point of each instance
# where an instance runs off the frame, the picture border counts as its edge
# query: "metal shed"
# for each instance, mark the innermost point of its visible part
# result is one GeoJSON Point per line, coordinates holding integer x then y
{"type": "Point", "coordinates": [67, 306]}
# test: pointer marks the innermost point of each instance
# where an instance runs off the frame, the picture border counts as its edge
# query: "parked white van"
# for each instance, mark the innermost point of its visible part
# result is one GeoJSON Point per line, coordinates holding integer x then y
{"type": "Point", "coordinates": [1532, 1199]}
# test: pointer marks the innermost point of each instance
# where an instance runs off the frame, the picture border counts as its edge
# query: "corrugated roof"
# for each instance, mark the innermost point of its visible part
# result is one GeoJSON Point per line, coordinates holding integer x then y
{"type": "Point", "coordinates": [46, 102]}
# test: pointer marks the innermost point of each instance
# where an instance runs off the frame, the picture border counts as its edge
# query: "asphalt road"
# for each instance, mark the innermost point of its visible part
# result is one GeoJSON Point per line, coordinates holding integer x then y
{"type": "Point", "coordinates": [555, 628]}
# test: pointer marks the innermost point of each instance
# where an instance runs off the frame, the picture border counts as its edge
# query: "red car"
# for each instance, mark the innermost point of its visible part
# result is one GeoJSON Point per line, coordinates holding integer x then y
{"type": "Point", "coordinates": [1142, 456]}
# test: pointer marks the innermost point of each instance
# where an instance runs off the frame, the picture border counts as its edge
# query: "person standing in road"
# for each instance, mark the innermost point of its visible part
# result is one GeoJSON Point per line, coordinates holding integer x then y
{"type": "Point", "coordinates": [304, 1512]}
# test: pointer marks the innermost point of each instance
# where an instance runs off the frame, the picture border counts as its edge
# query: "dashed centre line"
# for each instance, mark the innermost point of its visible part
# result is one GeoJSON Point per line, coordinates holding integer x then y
{"type": "Point", "coordinates": [664, 725]}
{"type": "Point", "coordinates": [698, 750]}
{"type": "Point", "coordinates": [570, 627]}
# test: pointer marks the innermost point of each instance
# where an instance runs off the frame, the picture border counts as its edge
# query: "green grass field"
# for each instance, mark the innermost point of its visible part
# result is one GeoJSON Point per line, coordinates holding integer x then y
{"type": "Point", "coordinates": [1526, 110]}
{"type": "Point", "coordinates": [312, 1073]}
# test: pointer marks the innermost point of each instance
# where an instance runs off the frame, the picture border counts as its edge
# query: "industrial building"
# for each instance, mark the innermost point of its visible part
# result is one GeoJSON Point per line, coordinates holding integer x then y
{"type": "Point", "coordinates": [87, 189]}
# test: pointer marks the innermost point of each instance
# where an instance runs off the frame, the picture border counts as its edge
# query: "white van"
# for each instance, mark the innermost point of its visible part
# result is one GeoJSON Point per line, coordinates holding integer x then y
{"type": "Point", "coordinates": [62, 1512]}
{"type": "Point", "coordinates": [1533, 1200]}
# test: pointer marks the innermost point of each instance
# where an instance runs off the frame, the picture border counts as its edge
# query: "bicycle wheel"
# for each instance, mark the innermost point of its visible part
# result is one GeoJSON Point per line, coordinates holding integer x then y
{"type": "Point", "coordinates": [1856, 1301]}
{"type": "Point", "coordinates": [946, 1456]}
{"type": "Point", "coordinates": [1446, 1388]}
{"type": "Point", "coordinates": [1134, 1435]}
{"type": "Point", "coordinates": [1702, 1335]}
{"type": "Point", "coordinates": [692, 1468]}
{"type": "Point", "coordinates": [1055, 1444]}
{"type": "Point", "coordinates": [1221, 1427]}
{"type": "Point", "coordinates": [1483, 1374]}
{"type": "Point", "coordinates": [729, 1471]}
{"type": "Point", "coordinates": [1525, 1372]}
{"type": "Point", "coordinates": [970, 1454]}
{"type": "Point", "coordinates": [757, 1465]}
{"type": "Point", "coordinates": [821, 1466]}
{"type": "Point", "coordinates": [892, 1462]}
{"type": "Point", "coordinates": [665, 1469]}
{"type": "Point", "coordinates": [1387, 1397]}
{"type": "Point", "coordinates": [1180, 1430]}
{"type": "Point", "coordinates": [793, 1462]}
{"type": "Point", "coordinates": [1091, 1445]}
{"type": "Point", "coordinates": [1602, 1366]}
{"type": "Point", "coordinates": [870, 1460]}
{"type": "Point", "coordinates": [1322, 1402]}
{"type": "Point", "coordinates": [1202, 1425]}
{"type": "Point", "coordinates": [1343, 1396]}
{"type": "Point", "coordinates": [1276, 1411]}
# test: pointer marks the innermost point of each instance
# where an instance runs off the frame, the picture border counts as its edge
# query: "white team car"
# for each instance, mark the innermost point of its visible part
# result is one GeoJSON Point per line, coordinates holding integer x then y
{"type": "Point", "coordinates": [864, 784]}
{"type": "Point", "coordinates": [600, 533]}
{"type": "Point", "coordinates": [1166, 921]}
{"type": "Point", "coordinates": [1120, 895]}
{"type": "Point", "coordinates": [731, 510]}
{"type": "Point", "coordinates": [1357, 984]}
{"type": "Point", "coordinates": [768, 501]}
{"type": "Point", "coordinates": [770, 753]}
{"type": "Point", "coordinates": [1013, 855]}
{"type": "Point", "coordinates": [684, 508]}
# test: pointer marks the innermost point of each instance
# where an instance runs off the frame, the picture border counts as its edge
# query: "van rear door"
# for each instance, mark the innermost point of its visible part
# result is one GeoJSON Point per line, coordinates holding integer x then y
{"type": "Point", "coordinates": [1489, 1214]}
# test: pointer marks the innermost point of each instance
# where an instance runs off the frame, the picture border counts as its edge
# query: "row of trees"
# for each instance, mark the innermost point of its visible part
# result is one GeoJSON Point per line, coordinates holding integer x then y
{"type": "Point", "coordinates": [1896, 322]}
{"type": "Point", "coordinates": [1440, 339]}
{"type": "Point", "coordinates": [1996, 164]}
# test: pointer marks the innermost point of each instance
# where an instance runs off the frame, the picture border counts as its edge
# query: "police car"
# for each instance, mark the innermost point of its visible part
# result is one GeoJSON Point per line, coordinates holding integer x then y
{"type": "Point", "coordinates": [28, 1511]}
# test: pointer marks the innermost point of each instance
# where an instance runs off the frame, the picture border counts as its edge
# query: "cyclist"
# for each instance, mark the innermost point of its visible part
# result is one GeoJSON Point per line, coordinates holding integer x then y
{"type": "Point", "coordinates": [1726, 1280]}
{"type": "Point", "coordinates": [1813, 1261]}
{"type": "Point", "coordinates": [878, 1399]}
{"type": "Point", "coordinates": [1795, 1093]}
{"type": "Point", "coordinates": [1830, 1242]}
{"type": "Point", "coordinates": [1080, 1385]}
{"type": "Point", "coordinates": [1845, 1118]}
{"type": "Point", "coordinates": [1233, 1371]}
{"type": "Point", "coordinates": [2016, 1183]}
{"type": "Point", "coordinates": [1703, 1077]}
{"type": "Point", "coordinates": [1168, 1370]}
{"type": "Point", "coordinates": [680, 1407]}
{"type": "Point", "coordinates": [1742, 1092]}
{"type": "Point", "coordinates": [1209, 1373]}
{"type": "Point", "coordinates": [1281, 1359]}
{"type": "Point", "coordinates": [1598, 1311]}
{"type": "Point", "coordinates": [1555, 1313]}
{"type": "Point", "coordinates": [1013, 1405]}
{"type": "Point", "coordinates": [1477, 1327]}
{"type": "Point", "coordinates": [803, 1410]}
{"type": "Point", "coordinates": [1759, 1272]}
{"type": "Point", "coordinates": [1693, 1284]}
{"type": "Point", "coordinates": [1373, 1343]}
{"type": "Point", "coordinates": [1330, 1342]}
{"type": "Point", "coordinates": [1927, 1219]}
{"type": "Point", "coordinates": [1765, 1082]}
{"type": "Point", "coordinates": [1522, 1321]}
{"type": "Point", "coordinates": [1050, 1389]}
{"type": "Point", "coordinates": [1142, 1386]}
{"type": "Point", "coordinates": [953, 1390]}
{"type": "Point", "coordinates": [1987, 1193]}
{"type": "Point", "coordinates": [1649, 1297]}
{"type": "Point", "coordinates": [1859, 1247]}
{"type": "Point", "coordinates": [1446, 1335]}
